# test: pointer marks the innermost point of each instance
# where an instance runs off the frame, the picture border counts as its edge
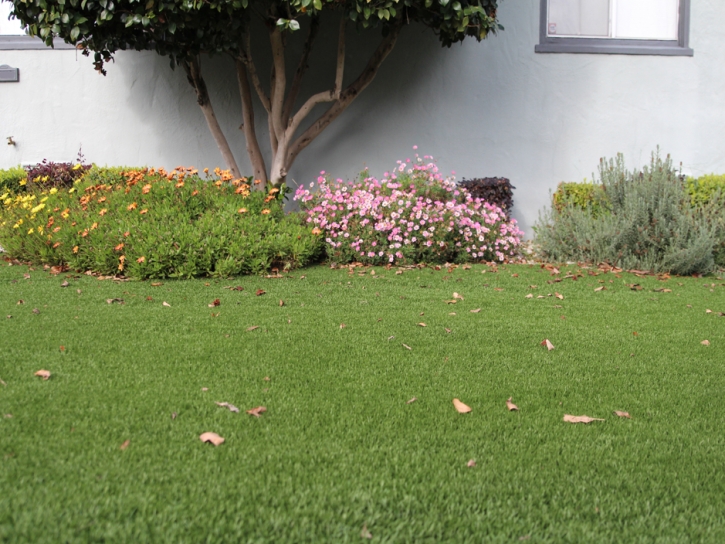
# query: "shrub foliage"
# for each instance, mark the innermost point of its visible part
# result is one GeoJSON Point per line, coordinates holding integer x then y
{"type": "Point", "coordinates": [497, 191]}
{"type": "Point", "coordinates": [644, 221]}
{"type": "Point", "coordinates": [155, 224]}
{"type": "Point", "coordinates": [412, 215]}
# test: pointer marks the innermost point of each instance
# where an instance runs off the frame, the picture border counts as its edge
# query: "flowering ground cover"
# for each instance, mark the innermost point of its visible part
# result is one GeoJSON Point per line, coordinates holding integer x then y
{"type": "Point", "coordinates": [108, 447]}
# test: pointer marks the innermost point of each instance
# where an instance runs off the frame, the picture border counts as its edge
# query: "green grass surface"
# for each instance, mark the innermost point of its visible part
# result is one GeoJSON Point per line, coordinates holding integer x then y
{"type": "Point", "coordinates": [339, 447]}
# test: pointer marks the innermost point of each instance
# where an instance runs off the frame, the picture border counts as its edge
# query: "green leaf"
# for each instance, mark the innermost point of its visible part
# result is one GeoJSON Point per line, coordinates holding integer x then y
{"type": "Point", "coordinates": [353, 15]}
{"type": "Point", "coordinates": [172, 28]}
{"type": "Point", "coordinates": [145, 21]}
{"type": "Point", "coordinates": [294, 25]}
{"type": "Point", "coordinates": [65, 18]}
{"type": "Point", "coordinates": [444, 2]}
{"type": "Point", "coordinates": [456, 6]}
{"type": "Point", "coordinates": [317, 4]}
{"type": "Point", "coordinates": [75, 31]}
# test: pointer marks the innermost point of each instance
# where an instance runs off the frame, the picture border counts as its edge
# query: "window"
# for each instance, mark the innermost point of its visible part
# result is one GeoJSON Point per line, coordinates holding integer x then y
{"type": "Point", "coordinates": [13, 35]}
{"type": "Point", "coordinates": [629, 27]}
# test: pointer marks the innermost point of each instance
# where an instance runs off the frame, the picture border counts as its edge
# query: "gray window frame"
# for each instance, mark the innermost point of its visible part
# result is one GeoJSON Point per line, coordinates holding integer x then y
{"type": "Point", "coordinates": [19, 43]}
{"type": "Point", "coordinates": [611, 46]}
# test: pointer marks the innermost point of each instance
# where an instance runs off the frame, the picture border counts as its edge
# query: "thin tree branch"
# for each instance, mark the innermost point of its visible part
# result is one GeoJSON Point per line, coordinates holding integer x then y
{"type": "Point", "coordinates": [301, 69]}
{"type": "Point", "coordinates": [193, 75]}
{"type": "Point", "coordinates": [250, 134]}
{"type": "Point", "coordinates": [245, 55]}
{"type": "Point", "coordinates": [347, 96]}
{"type": "Point", "coordinates": [340, 69]}
{"type": "Point", "coordinates": [277, 91]}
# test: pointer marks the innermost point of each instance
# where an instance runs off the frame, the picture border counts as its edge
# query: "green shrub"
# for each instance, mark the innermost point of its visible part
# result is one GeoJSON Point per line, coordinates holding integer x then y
{"type": "Point", "coordinates": [585, 196]}
{"type": "Point", "coordinates": [703, 189]}
{"type": "Point", "coordinates": [12, 180]}
{"type": "Point", "coordinates": [647, 224]}
{"type": "Point", "coordinates": [154, 224]}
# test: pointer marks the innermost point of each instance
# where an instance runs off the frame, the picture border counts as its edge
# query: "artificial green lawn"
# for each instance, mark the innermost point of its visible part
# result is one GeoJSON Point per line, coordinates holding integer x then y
{"type": "Point", "coordinates": [339, 447]}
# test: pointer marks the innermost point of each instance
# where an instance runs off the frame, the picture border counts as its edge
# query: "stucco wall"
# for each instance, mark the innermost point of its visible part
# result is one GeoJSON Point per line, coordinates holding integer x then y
{"type": "Point", "coordinates": [489, 109]}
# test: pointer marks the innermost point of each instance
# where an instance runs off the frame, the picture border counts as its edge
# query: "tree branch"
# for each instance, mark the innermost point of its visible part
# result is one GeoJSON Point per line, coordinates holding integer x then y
{"type": "Point", "coordinates": [245, 55]}
{"type": "Point", "coordinates": [250, 134]}
{"type": "Point", "coordinates": [301, 69]}
{"type": "Point", "coordinates": [348, 95]}
{"type": "Point", "coordinates": [279, 87]}
{"type": "Point", "coordinates": [340, 69]}
{"type": "Point", "coordinates": [193, 75]}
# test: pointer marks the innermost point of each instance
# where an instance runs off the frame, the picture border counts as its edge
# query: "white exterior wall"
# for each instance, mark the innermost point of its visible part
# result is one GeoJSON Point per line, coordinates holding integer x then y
{"type": "Point", "coordinates": [489, 109]}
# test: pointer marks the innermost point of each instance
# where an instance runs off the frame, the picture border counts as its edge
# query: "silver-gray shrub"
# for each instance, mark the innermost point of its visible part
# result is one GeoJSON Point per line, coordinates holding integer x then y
{"type": "Point", "coordinates": [647, 223]}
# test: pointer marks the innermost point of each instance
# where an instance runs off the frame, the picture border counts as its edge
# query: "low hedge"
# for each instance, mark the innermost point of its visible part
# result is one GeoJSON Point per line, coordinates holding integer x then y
{"type": "Point", "coordinates": [151, 223]}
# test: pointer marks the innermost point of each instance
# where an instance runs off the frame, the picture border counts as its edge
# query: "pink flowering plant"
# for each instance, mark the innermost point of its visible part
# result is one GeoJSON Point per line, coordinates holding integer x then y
{"type": "Point", "coordinates": [412, 215]}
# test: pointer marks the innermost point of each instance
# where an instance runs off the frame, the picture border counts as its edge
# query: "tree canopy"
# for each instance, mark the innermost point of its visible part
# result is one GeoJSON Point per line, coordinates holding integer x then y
{"type": "Point", "coordinates": [185, 29]}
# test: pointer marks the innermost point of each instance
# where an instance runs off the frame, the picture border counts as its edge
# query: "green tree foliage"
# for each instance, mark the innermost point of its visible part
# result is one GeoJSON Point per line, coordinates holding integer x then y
{"type": "Point", "coordinates": [185, 29]}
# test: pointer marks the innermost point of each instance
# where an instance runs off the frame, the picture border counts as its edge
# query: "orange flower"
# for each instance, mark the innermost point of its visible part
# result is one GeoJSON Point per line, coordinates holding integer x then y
{"type": "Point", "coordinates": [127, 233]}
{"type": "Point", "coordinates": [119, 247]}
{"type": "Point", "coordinates": [104, 211]}
{"type": "Point", "coordinates": [141, 260]}
{"type": "Point", "coordinates": [273, 190]}
{"type": "Point", "coordinates": [73, 224]}
{"type": "Point", "coordinates": [122, 258]}
{"type": "Point", "coordinates": [316, 231]}
{"type": "Point", "coordinates": [242, 210]}
{"type": "Point", "coordinates": [94, 226]}
{"type": "Point", "coordinates": [218, 183]}
{"type": "Point", "coordinates": [85, 233]}
{"type": "Point", "coordinates": [132, 206]}
{"type": "Point", "coordinates": [179, 185]}
{"type": "Point", "coordinates": [265, 212]}
{"type": "Point", "coordinates": [56, 245]}
{"type": "Point", "coordinates": [269, 198]}
{"type": "Point", "coordinates": [50, 222]}
{"type": "Point", "coordinates": [195, 193]}
{"type": "Point", "coordinates": [56, 229]}
{"type": "Point", "coordinates": [75, 249]}
{"type": "Point", "coordinates": [102, 199]}
{"type": "Point", "coordinates": [146, 188]}
{"type": "Point", "coordinates": [206, 170]}
{"type": "Point", "coordinates": [145, 210]}
{"type": "Point", "coordinates": [257, 181]}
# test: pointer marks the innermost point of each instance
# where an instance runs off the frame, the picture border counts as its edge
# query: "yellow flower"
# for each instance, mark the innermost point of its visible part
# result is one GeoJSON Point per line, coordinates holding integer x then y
{"type": "Point", "coordinates": [5, 195]}
{"type": "Point", "coordinates": [44, 199]}
{"type": "Point", "coordinates": [53, 191]}
{"type": "Point", "coordinates": [45, 178]}
{"type": "Point", "coordinates": [30, 231]}
{"type": "Point", "coordinates": [75, 249]}
{"type": "Point", "coordinates": [38, 208]}
{"type": "Point", "coordinates": [40, 229]}
{"type": "Point", "coordinates": [78, 166]}
{"type": "Point", "coordinates": [23, 182]}
{"type": "Point", "coordinates": [16, 226]}
{"type": "Point", "coordinates": [71, 190]}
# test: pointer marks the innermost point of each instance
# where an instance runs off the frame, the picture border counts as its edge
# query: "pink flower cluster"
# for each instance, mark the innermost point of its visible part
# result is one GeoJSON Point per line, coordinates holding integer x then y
{"type": "Point", "coordinates": [412, 215]}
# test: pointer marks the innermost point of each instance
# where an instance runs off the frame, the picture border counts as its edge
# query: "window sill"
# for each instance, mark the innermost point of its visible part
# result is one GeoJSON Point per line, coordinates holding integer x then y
{"type": "Point", "coordinates": [613, 47]}
{"type": "Point", "coordinates": [17, 43]}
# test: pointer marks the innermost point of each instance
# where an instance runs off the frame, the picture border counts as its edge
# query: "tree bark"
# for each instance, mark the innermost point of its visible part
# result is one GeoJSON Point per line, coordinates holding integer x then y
{"type": "Point", "coordinates": [250, 133]}
{"type": "Point", "coordinates": [193, 75]}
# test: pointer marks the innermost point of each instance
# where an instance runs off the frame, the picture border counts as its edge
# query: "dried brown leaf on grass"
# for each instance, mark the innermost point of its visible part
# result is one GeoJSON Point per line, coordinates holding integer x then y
{"type": "Point", "coordinates": [45, 374]}
{"type": "Point", "coordinates": [511, 406]}
{"type": "Point", "coordinates": [406, 346]}
{"type": "Point", "coordinates": [602, 288]}
{"type": "Point", "coordinates": [257, 412]}
{"type": "Point", "coordinates": [546, 342]}
{"type": "Point", "coordinates": [260, 292]}
{"type": "Point", "coordinates": [231, 407]}
{"type": "Point", "coordinates": [164, 303]}
{"type": "Point", "coordinates": [530, 295]}
{"type": "Point", "coordinates": [411, 401]}
{"type": "Point", "coordinates": [212, 438]}
{"type": "Point", "coordinates": [65, 284]}
{"type": "Point", "coordinates": [281, 303]}
{"type": "Point", "coordinates": [559, 296]}
{"type": "Point", "coordinates": [471, 463]}
{"type": "Point", "coordinates": [622, 414]}
{"type": "Point", "coordinates": [421, 324]}
{"type": "Point", "coordinates": [580, 419]}
{"type": "Point", "coordinates": [705, 342]}
{"type": "Point", "coordinates": [252, 328]}
{"type": "Point", "coordinates": [456, 296]}
{"type": "Point", "coordinates": [214, 303]}
{"type": "Point", "coordinates": [476, 311]}
{"type": "Point", "coordinates": [124, 445]}
{"type": "Point", "coordinates": [462, 408]}
{"type": "Point", "coordinates": [115, 301]}
{"type": "Point", "coordinates": [365, 533]}
{"type": "Point", "coordinates": [156, 284]}
{"type": "Point", "coordinates": [2, 382]}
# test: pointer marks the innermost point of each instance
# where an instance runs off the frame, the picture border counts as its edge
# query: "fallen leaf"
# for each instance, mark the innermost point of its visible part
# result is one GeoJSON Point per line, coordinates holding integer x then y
{"type": "Point", "coordinates": [257, 412]}
{"type": "Point", "coordinates": [173, 415]}
{"type": "Point", "coordinates": [708, 311]}
{"type": "Point", "coordinates": [602, 288]}
{"type": "Point", "coordinates": [9, 317]}
{"type": "Point", "coordinates": [390, 338]}
{"type": "Point", "coordinates": [498, 288]}
{"type": "Point", "coordinates": [156, 284]}
{"type": "Point", "coordinates": [45, 374]}
{"type": "Point", "coordinates": [21, 301]}
{"type": "Point", "coordinates": [205, 389]}
{"type": "Point", "coordinates": [635, 286]}
{"type": "Point", "coordinates": [260, 292]}
{"type": "Point", "coordinates": [36, 311]}
{"type": "Point", "coordinates": [511, 406]}
{"type": "Point", "coordinates": [452, 313]}
{"type": "Point", "coordinates": [164, 303]}
{"type": "Point", "coordinates": [411, 401]}
{"type": "Point", "coordinates": [447, 330]}
{"type": "Point", "coordinates": [457, 296]}
{"type": "Point", "coordinates": [462, 408]}
{"type": "Point", "coordinates": [342, 325]}
{"type": "Point", "coordinates": [559, 296]}
{"type": "Point", "coordinates": [705, 342]}
{"type": "Point", "coordinates": [471, 463]}
{"type": "Point", "coordinates": [406, 346]}
{"type": "Point", "coordinates": [231, 407]}
{"type": "Point", "coordinates": [216, 302]}
{"type": "Point", "coordinates": [451, 301]}
{"type": "Point", "coordinates": [476, 311]}
{"type": "Point", "coordinates": [514, 275]}
{"type": "Point", "coordinates": [78, 291]}
{"type": "Point", "coordinates": [62, 348]}
{"type": "Point", "coordinates": [622, 414]}
{"type": "Point", "coordinates": [365, 533]}
{"type": "Point", "coordinates": [530, 295]}
{"type": "Point", "coordinates": [2, 382]}
{"type": "Point", "coordinates": [548, 344]}
{"type": "Point", "coordinates": [266, 378]}
{"type": "Point", "coordinates": [65, 284]}
{"type": "Point", "coordinates": [115, 301]}
{"type": "Point", "coordinates": [125, 445]}
{"type": "Point", "coordinates": [281, 303]}
{"type": "Point", "coordinates": [635, 333]}
{"type": "Point", "coordinates": [422, 325]}
{"type": "Point", "coordinates": [212, 437]}
{"type": "Point", "coordinates": [252, 328]}
{"type": "Point", "coordinates": [580, 419]}
{"type": "Point", "coordinates": [26, 276]}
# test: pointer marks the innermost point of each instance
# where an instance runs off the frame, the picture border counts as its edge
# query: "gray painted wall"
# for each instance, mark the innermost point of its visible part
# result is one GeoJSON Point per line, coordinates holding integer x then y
{"type": "Point", "coordinates": [490, 109]}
